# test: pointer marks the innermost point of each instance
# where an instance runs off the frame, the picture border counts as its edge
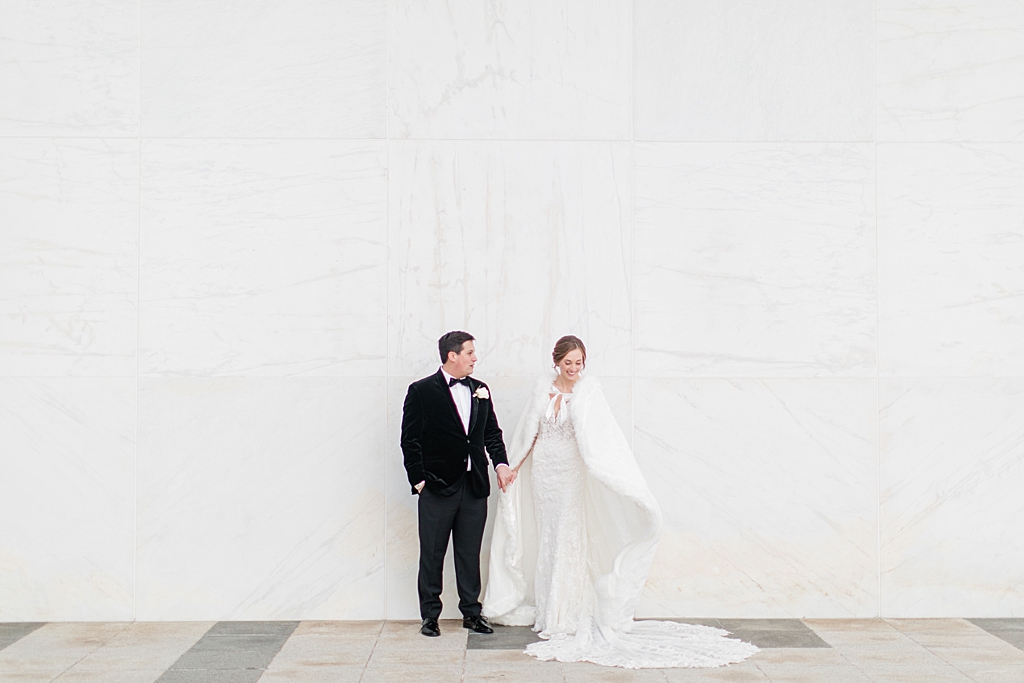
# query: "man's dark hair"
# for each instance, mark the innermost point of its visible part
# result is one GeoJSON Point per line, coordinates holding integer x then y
{"type": "Point", "coordinates": [452, 341]}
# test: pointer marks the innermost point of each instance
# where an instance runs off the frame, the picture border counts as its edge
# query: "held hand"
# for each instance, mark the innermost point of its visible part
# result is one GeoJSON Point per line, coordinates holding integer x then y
{"type": "Point", "coordinates": [419, 486]}
{"type": "Point", "coordinates": [505, 477]}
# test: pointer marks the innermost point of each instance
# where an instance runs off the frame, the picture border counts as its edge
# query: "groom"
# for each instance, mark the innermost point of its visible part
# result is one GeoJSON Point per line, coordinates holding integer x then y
{"type": "Point", "coordinates": [447, 423]}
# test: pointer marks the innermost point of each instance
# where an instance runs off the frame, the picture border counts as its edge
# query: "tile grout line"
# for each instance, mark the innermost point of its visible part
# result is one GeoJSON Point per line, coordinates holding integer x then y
{"type": "Point", "coordinates": [541, 140]}
{"type": "Point", "coordinates": [372, 650]}
{"type": "Point", "coordinates": [138, 336]}
{"type": "Point", "coordinates": [878, 312]}
{"type": "Point", "coordinates": [940, 657]}
{"type": "Point", "coordinates": [79, 660]}
{"type": "Point", "coordinates": [632, 227]}
{"type": "Point", "coordinates": [387, 294]}
{"type": "Point", "coordinates": [878, 323]}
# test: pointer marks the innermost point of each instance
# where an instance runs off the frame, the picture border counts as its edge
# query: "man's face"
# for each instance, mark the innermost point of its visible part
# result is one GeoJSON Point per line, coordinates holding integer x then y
{"type": "Point", "coordinates": [462, 363]}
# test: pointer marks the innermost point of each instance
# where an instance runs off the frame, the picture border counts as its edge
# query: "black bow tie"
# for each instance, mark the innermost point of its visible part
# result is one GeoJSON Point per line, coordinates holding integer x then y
{"type": "Point", "coordinates": [452, 382]}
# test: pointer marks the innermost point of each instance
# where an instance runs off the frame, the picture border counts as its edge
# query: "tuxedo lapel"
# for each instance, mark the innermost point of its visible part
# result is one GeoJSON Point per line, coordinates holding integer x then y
{"type": "Point", "coordinates": [473, 401]}
{"type": "Point", "coordinates": [448, 397]}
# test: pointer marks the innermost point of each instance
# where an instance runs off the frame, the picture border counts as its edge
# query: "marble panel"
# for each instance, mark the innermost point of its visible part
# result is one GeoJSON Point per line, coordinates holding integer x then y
{"type": "Point", "coordinates": [263, 258]}
{"type": "Point", "coordinates": [755, 260]}
{"type": "Point", "coordinates": [261, 498]}
{"type": "Point", "coordinates": [751, 70]}
{"type": "Point", "coordinates": [950, 71]}
{"type": "Point", "coordinates": [516, 242]}
{"type": "Point", "coordinates": [535, 69]}
{"type": "Point", "coordinates": [67, 498]}
{"type": "Point", "coordinates": [769, 492]}
{"type": "Point", "coordinates": [951, 477]}
{"type": "Point", "coordinates": [69, 69]}
{"type": "Point", "coordinates": [271, 68]}
{"type": "Point", "coordinates": [951, 245]}
{"type": "Point", "coordinates": [68, 257]}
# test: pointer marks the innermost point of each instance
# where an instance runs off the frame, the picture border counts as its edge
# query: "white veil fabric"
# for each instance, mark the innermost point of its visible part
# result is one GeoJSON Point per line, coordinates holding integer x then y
{"type": "Point", "coordinates": [623, 525]}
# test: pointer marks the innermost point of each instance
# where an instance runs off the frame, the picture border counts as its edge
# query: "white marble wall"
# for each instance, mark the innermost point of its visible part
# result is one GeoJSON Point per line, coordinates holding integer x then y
{"type": "Point", "coordinates": [791, 233]}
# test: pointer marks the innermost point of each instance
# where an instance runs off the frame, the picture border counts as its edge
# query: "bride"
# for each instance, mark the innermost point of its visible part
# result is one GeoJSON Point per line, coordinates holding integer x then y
{"type": "Point", "coordinates": [576, 534]}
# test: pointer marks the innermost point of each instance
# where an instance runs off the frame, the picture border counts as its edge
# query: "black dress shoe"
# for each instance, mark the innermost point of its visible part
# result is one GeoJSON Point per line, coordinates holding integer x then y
{"type": "Point", "coordinates": [429, 628]}
{"type": "Point", "coordinates": [477, 624]}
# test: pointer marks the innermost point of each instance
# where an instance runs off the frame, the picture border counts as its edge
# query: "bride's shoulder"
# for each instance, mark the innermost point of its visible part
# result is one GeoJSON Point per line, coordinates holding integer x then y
{"type": "Point", "coordinates": [543, 383]}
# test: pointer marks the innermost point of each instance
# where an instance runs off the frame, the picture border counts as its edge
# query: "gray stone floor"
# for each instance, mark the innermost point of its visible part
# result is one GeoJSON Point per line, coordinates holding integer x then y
{"type": "Point", "coordinates": [793, 650]}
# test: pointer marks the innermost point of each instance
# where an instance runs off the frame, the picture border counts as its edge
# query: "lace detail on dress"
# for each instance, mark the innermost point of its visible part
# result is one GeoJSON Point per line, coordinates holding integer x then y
{"type": "Point", "coordinates": [563, 587]}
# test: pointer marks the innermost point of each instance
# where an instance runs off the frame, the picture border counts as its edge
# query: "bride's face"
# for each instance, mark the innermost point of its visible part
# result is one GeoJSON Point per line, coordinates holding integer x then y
{"type": "Point", "coordinates": [571, 365]}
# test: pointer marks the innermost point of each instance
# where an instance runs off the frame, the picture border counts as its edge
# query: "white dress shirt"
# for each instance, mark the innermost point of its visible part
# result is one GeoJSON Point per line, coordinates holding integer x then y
{"type": "Point", "coordinates": [464, 403]}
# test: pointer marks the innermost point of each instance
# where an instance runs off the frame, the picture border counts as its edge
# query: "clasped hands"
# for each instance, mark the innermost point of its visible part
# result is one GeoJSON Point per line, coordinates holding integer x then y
{"type": "Point", "coordinates": [506, 477]}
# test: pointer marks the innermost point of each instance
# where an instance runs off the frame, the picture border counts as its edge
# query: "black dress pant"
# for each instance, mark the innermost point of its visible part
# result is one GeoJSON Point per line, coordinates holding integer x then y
{"type": "Point", "coordinates": [461, 516]}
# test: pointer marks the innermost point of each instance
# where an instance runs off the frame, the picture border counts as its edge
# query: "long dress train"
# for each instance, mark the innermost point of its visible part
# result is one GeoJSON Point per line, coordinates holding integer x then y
{"type": "Point", "coordinates": [574, 540]}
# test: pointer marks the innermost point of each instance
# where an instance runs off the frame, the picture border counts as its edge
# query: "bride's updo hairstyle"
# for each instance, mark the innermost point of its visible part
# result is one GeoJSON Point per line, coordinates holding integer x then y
{"type": "Point", "coordinates": [566, 344]}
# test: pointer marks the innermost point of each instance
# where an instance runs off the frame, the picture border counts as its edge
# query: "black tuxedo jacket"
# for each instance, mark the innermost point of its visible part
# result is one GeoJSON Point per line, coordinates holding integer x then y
{"type": "Point", "coordinates": [435, 445]}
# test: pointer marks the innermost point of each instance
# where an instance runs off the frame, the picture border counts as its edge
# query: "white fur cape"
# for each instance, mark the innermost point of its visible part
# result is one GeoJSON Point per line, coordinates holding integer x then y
{"type": "Point", "coordinates": [623, 520]}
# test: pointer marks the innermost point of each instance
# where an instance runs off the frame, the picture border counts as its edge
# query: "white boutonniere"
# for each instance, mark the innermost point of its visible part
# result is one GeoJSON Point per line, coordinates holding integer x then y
{"type": "Point", "coordinates": [482, 393]}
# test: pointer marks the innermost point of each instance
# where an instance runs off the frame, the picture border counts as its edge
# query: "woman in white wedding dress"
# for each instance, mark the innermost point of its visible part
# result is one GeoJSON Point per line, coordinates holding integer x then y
{"type": "Point", "coordinates": [576, 534]}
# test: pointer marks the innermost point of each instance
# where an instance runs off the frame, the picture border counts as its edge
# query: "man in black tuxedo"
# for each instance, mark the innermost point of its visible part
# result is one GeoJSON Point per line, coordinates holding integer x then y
{"type": "Point", "coordinates": [448, 422]}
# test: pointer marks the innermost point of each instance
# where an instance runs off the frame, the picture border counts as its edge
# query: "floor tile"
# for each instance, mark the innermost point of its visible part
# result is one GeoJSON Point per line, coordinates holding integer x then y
{"type": "Point", "coordinates": [994, 673]}
{"type": "Point", "coordinates": [806, 656]}
{"type": "Point", "coordinates": [503, 638]}
{"type": "Point", "coordinates": [392, 673]}
{"type": "Point", "coordinates": [25, 677]}
{"type": "Point", "coordinates": [744, 672]}
{"type": "Point", "coordinates": [253, 628]}
{"type": "Point", "coordinates": [898, 673]}
{"type": "Point", "coordinates": [1007, 624]}
{"type": "Point", "coordinates": [320, 650]}
{"type": "Point", "coordinates": [144, 645]}
{"type": "Point", "coordinates": [13, 632]}
{"type": "Point", "coordinates": [1007, 630]}
{"type": "Point", "coordinates": [339, 628]}
{"type": "Point", "coordinates": [763, 625]}
{"type": "Point", "coordinates": [76, 675]}
{"type": "Point", "coordinates": [543, 672]}
{"type": "Point", "coordinates": [210, 676]}
{"type": "Point", "coordinates": [403, 657]}
{"type": "Point", "coordinates": [821, 674]}
{"type": "Point", "coordinates": [783, 639]}
{"type": "Point", "coordinates": [583, 672]}
{"type": "Point", "coordinates": [257, 643]}
{"type": "Point", "coordinates": [406, 635]}
{"type": "Point", "coordinates": [55, 647]}
{"type": "Point", "coordinates": [314, 674]}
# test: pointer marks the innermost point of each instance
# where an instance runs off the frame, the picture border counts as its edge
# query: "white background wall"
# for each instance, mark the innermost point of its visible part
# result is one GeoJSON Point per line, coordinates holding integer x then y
{"type": "Point", "coordinates": [790, 231]}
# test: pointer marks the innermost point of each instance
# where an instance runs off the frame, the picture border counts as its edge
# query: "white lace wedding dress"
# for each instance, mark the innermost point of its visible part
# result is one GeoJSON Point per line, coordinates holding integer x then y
{"type": "Point", "coordinates": [574, 541]}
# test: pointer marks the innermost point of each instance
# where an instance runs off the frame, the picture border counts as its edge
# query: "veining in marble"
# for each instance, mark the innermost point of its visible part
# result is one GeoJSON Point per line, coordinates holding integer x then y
{"type": "Point", "coordinates": [769, 492]}
{"type": "Point", "coordinates": [261, 498]}
{"type": "Point", "coordinates": [951, 247]}
{"type": "Point", "coordinates": [518, 242]}
{"type": "Point", "coordinates": [533, 69]}
{"type": "Point", "coordinates": [263, 258]}
{"type": "Point", "coordinates": [951, 475]}
{"type": "Point", "coordinates": [67, 498]}
{"type": "Point", "coordinates": [754, 260]}
{"type": "Point", "coordinates": [267, 69]}
{"type": "Point", "coordinates": [69, 69]}
{"type": "Point", "coordinates": [753, 71]}
{"type": "Point", "coordinates": [69, 231]}
{"type": "Point", "coordinates": [950, 70]}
